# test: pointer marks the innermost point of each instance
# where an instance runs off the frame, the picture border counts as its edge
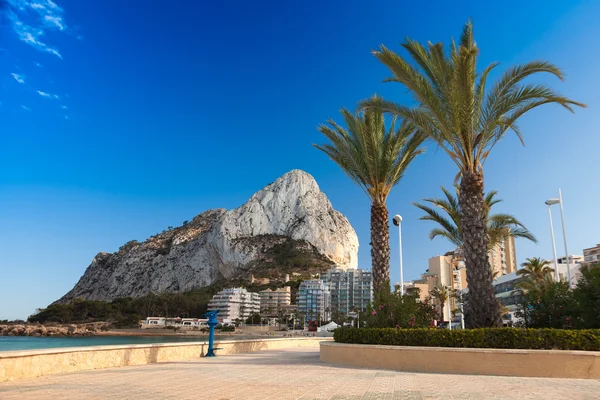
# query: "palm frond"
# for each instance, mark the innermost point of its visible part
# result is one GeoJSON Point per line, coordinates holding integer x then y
{"type": "Point", "coordinates": [457, 108]}
{"type": "Point", "coordinates": [373, 156]}
{"type": "Point", "coordinates": [499, 226]}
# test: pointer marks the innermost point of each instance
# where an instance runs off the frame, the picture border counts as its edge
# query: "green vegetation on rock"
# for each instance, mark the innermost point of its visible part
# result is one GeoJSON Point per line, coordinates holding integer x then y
{"type": "Point", "coordinates": [280, 256]}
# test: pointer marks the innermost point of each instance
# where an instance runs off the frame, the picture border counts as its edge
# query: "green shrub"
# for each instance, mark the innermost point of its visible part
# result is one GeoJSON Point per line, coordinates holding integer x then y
{"type": "Point", "coordinates": [228, 328]}
{"type": "Point", "coordinates": [548, 304]}
{"type": "Point", "coordinates": [498, 338]}
{"type": "Point", "coordinates": [587, 295]}
{"type": "Point", "coordinates": [391, 310]}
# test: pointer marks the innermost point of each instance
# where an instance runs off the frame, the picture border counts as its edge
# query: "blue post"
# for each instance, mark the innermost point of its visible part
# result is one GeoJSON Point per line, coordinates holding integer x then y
{"type": "Point", "coordinates": [212, 322]}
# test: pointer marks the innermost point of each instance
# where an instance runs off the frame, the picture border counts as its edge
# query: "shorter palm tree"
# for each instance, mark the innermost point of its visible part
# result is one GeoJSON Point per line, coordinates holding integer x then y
{"type": "Point", "coordinates": [441, 293]}
{"type": "Point", "coordinates": [537, 286]}
{"type": "Point", "coordinates": [499, 226]}
{"type": "Point", "coordinates": [535, 268]}
{"type": "Point", "coordinates": [375, 158]}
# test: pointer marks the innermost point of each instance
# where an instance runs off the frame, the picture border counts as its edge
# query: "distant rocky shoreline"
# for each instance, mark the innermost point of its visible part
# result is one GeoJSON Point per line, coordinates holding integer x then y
{"type": "Point", "coordinates": [93, 329]}
{"type": "Point", "coordinates": [25, 329]}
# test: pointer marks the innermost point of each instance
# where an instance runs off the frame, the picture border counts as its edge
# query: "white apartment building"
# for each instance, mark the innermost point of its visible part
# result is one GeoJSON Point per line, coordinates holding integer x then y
{"type": "Point", "coordinates": [563, 267]}
{"type": "Point", "coordinates": [349, 289]}
{"type": "Point", "coordinates": [234, 303]}
{"type": "Point", "coordinates": [314, 300]}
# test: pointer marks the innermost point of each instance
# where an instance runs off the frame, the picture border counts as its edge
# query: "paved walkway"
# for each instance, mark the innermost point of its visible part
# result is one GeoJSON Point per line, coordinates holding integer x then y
{"type": "Point", "coordinates": [285, 374]}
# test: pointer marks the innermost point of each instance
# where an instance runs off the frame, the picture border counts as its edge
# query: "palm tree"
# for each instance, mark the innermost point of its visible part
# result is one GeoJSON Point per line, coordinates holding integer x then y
{"type": "Point", "coordinates": [536, 285]}
{"type": "Point", "coordinates": [458, 111]}
{"type": "Point", "coordinates": [375, 158]}
{"type": "Point", "coordinates": [499, 226]}
{"type": "Point", "coordinates": [535, 268]}
{"type": "Point", "coordinates": [440, 293]}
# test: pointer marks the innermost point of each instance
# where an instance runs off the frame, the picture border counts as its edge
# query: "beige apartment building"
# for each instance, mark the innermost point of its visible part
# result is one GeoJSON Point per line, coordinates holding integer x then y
{"type": "Point", "coordinates": [420, 285]}
{"type": "Point", "coordinates": [272, 302]}
{"type": "Point", "coordinates": [592, 255]}
{"type": "Point", "coordinates": [503, 257]}
{"type": "Point", "coordinates": [448, 271]}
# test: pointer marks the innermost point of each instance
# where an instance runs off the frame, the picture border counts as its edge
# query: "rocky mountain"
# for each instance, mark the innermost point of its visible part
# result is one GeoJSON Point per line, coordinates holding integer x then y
{"type": "Point", "coordinates": [220, 244]}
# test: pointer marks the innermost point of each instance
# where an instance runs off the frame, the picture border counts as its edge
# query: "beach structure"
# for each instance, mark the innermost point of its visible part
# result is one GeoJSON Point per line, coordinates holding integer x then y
{"type": "Point", "coordinates": [163, 322]}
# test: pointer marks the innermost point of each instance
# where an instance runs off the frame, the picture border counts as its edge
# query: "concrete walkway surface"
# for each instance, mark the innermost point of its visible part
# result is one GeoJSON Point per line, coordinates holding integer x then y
{"type": "Point", "coordinates": [285, 374]}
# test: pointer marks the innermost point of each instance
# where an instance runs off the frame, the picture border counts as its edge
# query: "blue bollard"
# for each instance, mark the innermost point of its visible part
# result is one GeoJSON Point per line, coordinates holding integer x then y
{"type": "Point", "coordinates": [212, 322]}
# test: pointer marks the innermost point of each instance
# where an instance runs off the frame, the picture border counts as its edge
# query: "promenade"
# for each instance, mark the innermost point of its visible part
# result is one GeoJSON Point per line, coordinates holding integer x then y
{"type": "Point", "coordinates": [284, 374]}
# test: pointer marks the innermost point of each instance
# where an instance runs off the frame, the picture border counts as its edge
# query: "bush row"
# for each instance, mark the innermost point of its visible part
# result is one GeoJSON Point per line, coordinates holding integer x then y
{"type": "Point", "coordinates": [499, 338]}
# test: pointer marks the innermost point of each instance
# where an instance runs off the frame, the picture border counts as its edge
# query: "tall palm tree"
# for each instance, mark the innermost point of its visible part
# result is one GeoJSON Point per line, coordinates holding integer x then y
{"type": "Point", "coordinates": [375, 158]}
{"type": "Point", "coordinates": [460, 112]}
{"type": "Point", "coordinates": [535, 268]}
{"type": "Point", "coordinates": [499, 226]}
{"type": "Point", "coordinates": [442, 294]}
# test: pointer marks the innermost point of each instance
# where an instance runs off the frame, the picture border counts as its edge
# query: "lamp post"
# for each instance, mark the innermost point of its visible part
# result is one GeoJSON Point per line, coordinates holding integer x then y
{"type": "Point", "coordinates": [548, 203]}
{"type": "Point", "coordinates": [449, 307]}
{"type": "Point", "coordinates": [559, 201]}
{"type": "Point", "coordinates": [398, 222]}
{"type": "Point", "coordinates": [460, 288]}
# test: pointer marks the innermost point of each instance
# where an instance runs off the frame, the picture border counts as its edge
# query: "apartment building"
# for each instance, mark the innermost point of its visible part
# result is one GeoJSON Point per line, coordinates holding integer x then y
{"type": "Point", "coordinates": [314, 300]}
{"type": "Point", "coordinates": [420, 286]}
{"type": "Point", "coordinates": [274, 302]}
{"type": "Point", "coordinates": [234, 303]}
{"type": "Point", "coordinates": [447, 271]}
{"type": "Point", "coordinates": [573, 266]}
{"type": "Point", "coordinates": [349, 289]}
{"type": "Point", "coordinates": [592, 255]}
{"type": "Point", "coordinates": [503, 258]}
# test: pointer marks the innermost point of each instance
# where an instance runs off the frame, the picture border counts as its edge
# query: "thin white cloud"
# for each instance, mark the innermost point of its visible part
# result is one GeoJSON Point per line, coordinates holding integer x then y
{"type": "Point", "coordinates": [26, 108]}
{"type": "Point", "coordinates": [67, 117]}
{"type": "Point", "coordinates": [37, 64]}
{"type": "Point", "coordinates": [47, 95]}
{"type": "Point", "coordinates": [18, 78]}
{"type": "Point", "coordinates": [31, 36]}
{"type": "Point", "coordinates": [37, 6]}
{"type": "Point", "coordinates": [55, 22]}
{"type": "Point", "coordinates": [50, 18]}
{"type": "Point", "coordinates": [64, 107]}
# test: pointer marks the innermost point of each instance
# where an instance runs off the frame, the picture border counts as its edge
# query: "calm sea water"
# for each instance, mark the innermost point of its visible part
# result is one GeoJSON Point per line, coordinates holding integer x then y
{"type": "Point", "coordinates": [8, 343]}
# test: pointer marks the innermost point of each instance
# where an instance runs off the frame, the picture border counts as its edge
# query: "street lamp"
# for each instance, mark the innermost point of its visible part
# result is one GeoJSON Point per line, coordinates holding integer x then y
{"type": "Point", "coordinates": [398, 223]}
{"type": "Point", "coordinates": [549, 204]}
{"type": "Point", "coordinates": [460, 288]}
{"type": "Point", "coordinates": [559, 201]}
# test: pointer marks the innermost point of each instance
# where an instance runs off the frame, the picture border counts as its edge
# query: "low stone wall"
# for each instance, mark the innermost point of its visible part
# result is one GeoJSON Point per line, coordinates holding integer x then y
{"type": "Point", "coordinates": [524, 363]}
{"type": "Point", "coordinates": [33, 363]}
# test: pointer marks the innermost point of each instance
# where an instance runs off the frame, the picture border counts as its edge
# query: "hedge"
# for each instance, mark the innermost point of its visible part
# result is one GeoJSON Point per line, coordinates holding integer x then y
{"type": "Point", "coordinates": [498, 338]}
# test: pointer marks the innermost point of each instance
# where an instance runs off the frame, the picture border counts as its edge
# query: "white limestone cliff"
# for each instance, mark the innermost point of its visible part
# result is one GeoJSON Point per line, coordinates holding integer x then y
{"type": "Point", "coordinates": [222, 244]}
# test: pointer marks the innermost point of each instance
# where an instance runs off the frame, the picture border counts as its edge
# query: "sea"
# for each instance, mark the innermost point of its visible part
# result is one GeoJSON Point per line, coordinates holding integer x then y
{"type": "Point", "coordinates": [10, 343]}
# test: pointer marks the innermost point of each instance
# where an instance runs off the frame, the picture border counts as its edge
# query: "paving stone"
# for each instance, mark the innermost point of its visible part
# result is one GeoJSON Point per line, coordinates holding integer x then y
{"type": "Point", "coordinates": [285, 374]}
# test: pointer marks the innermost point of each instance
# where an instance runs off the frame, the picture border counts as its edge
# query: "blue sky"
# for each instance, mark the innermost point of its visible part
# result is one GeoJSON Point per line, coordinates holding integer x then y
{"type": "Point", "coordinates": [119, 119]}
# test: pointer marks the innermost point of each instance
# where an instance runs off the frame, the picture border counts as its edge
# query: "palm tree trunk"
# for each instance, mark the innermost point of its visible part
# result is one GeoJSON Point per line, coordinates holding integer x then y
{"type": "Point", "coordinates": [380, 246]}
{"type": "Point", "coordinates": [482, 309]}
